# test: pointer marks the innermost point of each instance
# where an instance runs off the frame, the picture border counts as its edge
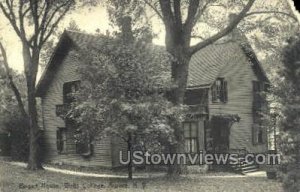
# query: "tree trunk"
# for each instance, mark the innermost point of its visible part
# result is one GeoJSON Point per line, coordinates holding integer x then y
{"type": "Point", "coordinates": [179, 74]}
{"type": "Point", "coordinates": [31, 61]}
{"type": "Point", "coordinates": [129, 145]}
{"type": "Point", "coordinates": [34, 161]}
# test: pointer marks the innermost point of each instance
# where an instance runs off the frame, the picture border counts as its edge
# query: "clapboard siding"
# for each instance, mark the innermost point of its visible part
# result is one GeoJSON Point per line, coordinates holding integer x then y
{"type": "Point", "coordinates": [66, 71]}
{"type": "Point", "coordinates": [239, 75]}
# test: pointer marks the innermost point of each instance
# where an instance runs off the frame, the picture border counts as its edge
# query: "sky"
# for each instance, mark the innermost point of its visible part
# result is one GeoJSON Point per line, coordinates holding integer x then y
{"type": "Point", "coordinates": [293, 8]}
{"type": "Point", "coordinates": [87, 19]}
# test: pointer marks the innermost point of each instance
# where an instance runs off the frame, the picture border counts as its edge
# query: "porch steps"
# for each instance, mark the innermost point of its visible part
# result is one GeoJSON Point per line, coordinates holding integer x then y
{"type": "Point", "coordinates": [244, 167]}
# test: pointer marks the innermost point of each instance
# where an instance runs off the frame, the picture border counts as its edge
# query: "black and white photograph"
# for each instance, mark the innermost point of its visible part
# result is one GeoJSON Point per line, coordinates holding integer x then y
{"type": "Point", "coordinates": [149, 95]}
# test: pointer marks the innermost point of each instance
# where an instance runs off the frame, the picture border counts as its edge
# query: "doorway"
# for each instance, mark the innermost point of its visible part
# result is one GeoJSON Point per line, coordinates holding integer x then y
{"type": "Point", "coordinates": [220, 134]}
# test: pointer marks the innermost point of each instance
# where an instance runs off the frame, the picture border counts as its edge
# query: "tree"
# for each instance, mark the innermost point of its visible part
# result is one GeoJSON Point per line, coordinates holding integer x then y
{"type": "Point", "coordinates": [11, 118]}
{"type": "Point", "coordinates": [123, 90]}
{"type": "Point", "coordinates": [180, 19]}
{"type": "Point", "coordinates": [286, 96]}
{"type": "Point", "coordinates": [34, 22]}
{"type": "Point", "coordinates": [183, 20]}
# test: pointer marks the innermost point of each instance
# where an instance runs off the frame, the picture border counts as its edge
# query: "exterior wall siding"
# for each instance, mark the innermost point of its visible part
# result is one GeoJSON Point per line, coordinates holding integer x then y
{"type": "Point", "coordinates": [239, 76]}
{"type": "Point", "coordinates": [66, 72]}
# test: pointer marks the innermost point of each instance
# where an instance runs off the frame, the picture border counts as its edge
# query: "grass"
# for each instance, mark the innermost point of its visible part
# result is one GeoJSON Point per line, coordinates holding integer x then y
{"type": "Point", "coordinates": [15, 179]}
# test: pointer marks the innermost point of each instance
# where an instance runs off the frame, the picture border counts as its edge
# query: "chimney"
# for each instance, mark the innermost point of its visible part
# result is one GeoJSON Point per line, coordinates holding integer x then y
{"type": "Point", "coordinates": [236, 34]}
{"type": "Point", "coordinates": [126, 29]}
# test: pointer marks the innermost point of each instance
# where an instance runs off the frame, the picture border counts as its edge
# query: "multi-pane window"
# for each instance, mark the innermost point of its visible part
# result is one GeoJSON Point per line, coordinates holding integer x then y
{"type": "Point", "coordinates": [61, 139]}
{"type": "Point", "coordinates": [259, 134]}
{"type": "Point", "coordinates": [69, 89]}
{"type": "Point", "coordinates": [258, 89]}
{"type": "Point", "coordinates": [219, 91]}
{"type": "Point", "coordinates": [83, 144]}
{"type": "Point", "coordinates": [191, 137]}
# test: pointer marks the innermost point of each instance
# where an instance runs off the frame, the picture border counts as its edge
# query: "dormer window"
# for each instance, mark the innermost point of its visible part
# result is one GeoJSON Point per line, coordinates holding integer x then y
{"type": "Point", "coordinates": [219, 91]}
{"type": "Point", "coordinates": [69, 89]}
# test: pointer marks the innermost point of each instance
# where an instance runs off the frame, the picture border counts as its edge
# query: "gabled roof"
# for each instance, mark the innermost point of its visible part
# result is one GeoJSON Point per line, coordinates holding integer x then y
{"type": "Point", "coordinates": [205, 65]}
{"type": "Point", "coordinates": [67, 40]}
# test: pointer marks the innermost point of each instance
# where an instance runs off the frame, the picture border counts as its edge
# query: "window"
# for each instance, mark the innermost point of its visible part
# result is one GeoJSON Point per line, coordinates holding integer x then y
{"type": "Point", "coordinates": [258, 88]}
{"type": "Point", "coordinates": [61, 139]}
{"type": "Point", "coordinates": [69, 89]}
{"type": "Point", "coordinates": [195, 97]}
{"type": "Point", "coordinates": [191, 137]}
{"type": "Point", "coordinates": [259, 134]}
{"type": "Point", "coordinates": [219, 91]}
{"type": "Point", "coordinates": [259, 105]}
{"type": "Point", "coordinates": [83, 144]}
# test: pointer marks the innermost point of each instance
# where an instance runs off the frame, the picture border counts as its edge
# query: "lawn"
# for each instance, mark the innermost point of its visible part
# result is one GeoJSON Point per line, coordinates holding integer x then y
{"type": "Point", "coordinates": [14, 179]}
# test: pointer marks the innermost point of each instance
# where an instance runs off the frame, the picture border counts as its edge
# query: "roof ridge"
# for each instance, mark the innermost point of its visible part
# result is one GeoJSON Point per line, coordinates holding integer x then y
{"type": "Point", "coordinates": [86, 34]}
{"type": "Point", "coordinates": [80, 32]}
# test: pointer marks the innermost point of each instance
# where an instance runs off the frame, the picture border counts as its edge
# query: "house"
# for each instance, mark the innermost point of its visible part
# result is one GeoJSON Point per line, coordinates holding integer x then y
{"type": "Point", "coordinates": [224, 85]}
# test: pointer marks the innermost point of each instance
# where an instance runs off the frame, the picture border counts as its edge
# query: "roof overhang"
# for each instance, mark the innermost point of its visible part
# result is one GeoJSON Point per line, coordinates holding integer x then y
{"type": "Point", "coordinates": [58, 54]}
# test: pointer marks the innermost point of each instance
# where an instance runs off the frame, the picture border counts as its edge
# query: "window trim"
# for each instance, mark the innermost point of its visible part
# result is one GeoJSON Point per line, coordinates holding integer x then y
{"type": "Point", "coordinates": [258, 87]}
{"type": "Point", "coordinates": [258, 129]}
{"type": "Point", "coordinates": [76, 83]}
{"type": "Point", "coordinates": [88, 144]}
{"type": "Point", "coordinates": [219, 93]}
{"type": "Point", "coordinates": [192, 137]}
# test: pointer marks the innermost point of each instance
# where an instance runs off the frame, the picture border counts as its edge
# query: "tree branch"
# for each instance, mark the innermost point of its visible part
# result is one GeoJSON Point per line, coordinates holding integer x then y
{"type": "Point", "coordinates": [43, 25]}
{"type": "Point", "coordinates": [198, 36]}
{"type": "Point", "coordinates": [54, 25]}
{"type": "Point", "coordinates": [177, 13]}
{"type": "Point", "coordinates": [154, 9]}
{"type": "Point", "coordinates": [13, 23]}
{"type": "Point", "coordinates": [34, 11]}
{"type": "Point", "coordinates": [223, 32]}
{"type": "Point", "coordinates": [168, 17]}
{"type": "Point", "coordinates": [11, 82]}
{"type": "Point", "coordinates": [21, 17]}
{"type": "Point", "coordinates": [192, 11]}
{"type": "Point", "coordinates": [201, 11]}
{"type": "Point", "coordinates": [271, 12]}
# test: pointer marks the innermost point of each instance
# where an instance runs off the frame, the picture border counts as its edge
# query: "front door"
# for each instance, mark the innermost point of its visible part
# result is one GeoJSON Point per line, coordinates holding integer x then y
{"type": "Point", "coordinates": [220, 134]}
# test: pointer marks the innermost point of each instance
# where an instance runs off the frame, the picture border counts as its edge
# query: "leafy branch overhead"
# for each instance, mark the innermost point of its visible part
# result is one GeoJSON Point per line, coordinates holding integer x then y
{"type": "Point", "coordinates": [186, 15]}
{"type": "Point", "coordinates": [12, 84]}
{"type": "Point", "coordinates": [43, 16]}
{"type": "Point", "coordinates": [123, 90]}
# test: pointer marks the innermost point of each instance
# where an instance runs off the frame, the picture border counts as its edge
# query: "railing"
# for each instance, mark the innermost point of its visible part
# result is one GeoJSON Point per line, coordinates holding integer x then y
{"type": "Point", "coordinates": [240, 151]}
{"type": "Point", "coordinates": [198, 109]}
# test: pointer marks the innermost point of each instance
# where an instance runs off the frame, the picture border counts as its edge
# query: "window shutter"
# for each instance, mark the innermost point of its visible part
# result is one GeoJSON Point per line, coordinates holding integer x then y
{"type": "Point", "coordinates": [264, 134]}
{"type": "Point", "coordinates": [254, 134]}
{"type": "Point", "coordinates": [224, 92]}
{"type": "Point", "coordinates": [59, 145]}
{"type": "Point", "coordinates": [214, 92]}
{"type": "Point", "coordinates": [256, 95]}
